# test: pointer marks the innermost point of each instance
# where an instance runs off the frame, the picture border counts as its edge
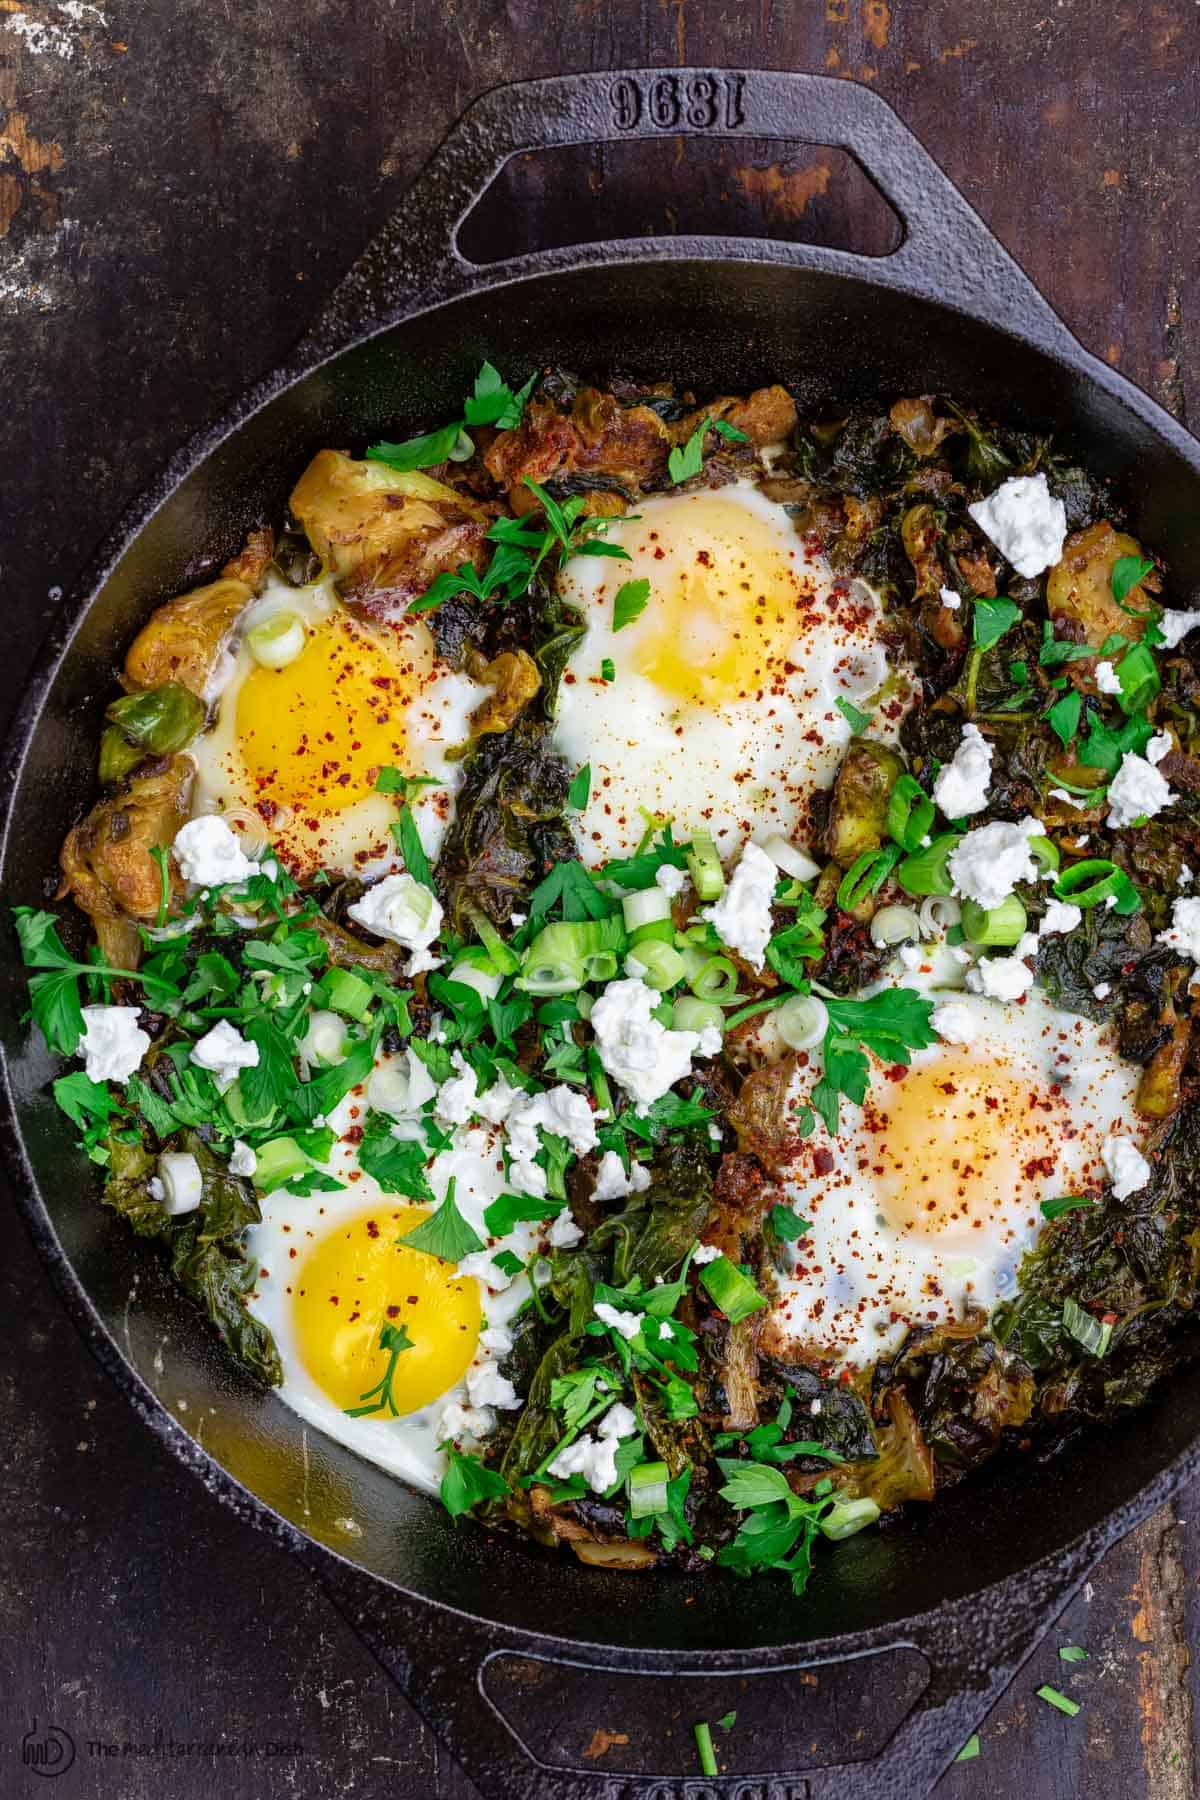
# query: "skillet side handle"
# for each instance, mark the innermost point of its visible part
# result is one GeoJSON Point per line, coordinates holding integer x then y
{"type": "Point", "coordinates": [947, 253]}
{"type": "Point", "coordinates": [440, 1661]}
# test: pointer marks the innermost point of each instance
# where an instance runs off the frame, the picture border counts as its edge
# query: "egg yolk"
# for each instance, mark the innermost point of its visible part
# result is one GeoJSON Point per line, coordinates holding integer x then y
{"type": "Point", "coordinates": [723, 609]}
{"type": "Point", "coordinates": [359, 1279]}
{"type": "Point", "coordinates": [315, 734]}
{"type": "Point", "coordinates": [958, 1144]}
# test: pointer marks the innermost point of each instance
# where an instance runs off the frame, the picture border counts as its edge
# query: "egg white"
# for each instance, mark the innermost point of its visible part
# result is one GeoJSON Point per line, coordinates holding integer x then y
{"type": "Point", "coordinates": [755, 640]}
{"type": "Point", "coordinates": [292, 1225]}
{"type": "Point", "coordinates": [433, 702]}
{"type": "Point", "coordinates": [928, 1198]}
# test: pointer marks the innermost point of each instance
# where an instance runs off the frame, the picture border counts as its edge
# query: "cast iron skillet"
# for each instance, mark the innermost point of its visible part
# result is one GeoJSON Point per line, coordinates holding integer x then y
{"type": "Point", "coordinates": [912, 1631]}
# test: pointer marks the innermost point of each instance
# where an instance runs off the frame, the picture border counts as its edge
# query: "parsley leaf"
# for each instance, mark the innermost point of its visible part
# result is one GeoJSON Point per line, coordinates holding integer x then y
{"type": "Point", "coordinates": [570, 884]}
{"type": "Point", "coordinates": [467, 1482]}
{"type": "Point", "coordinates": [1063, 717]}
{"type": "Point", "coordinates": [404, 830]}
{"type": "Point", "coordinates": [494, 402]}
{"type": "Point", "coordinates": [608, 669]}
{"type": "Point", "coordinates": [1104, 748]}
{"type": "Point", "coordinates": [393, 1339]}
{"type": "Point", "coordinates": [992, 618]}
{"type": "Point", "coordinates": [511, 1209]}
{"type": "Point", "coordinates": [398, 1167]}
{"type": "Point", "coordinates": [688, 460]}
{"type": "Point", "coordinates": [789, 950]}
{"type": "Point", "coordinates": [785, 1225]}
{"type": "Point", "coordinates": [1127, 572]}
{"type": "Point", "coordinates": [580, 789]}
{"type": "Point", "coordinates": [421, 452]}
{"type": "Point", "coordinates": [891, 1024]}
{"type": "Point", "coordinates": [632, 598]}
{"type": "Point", "coordinates": [856, 720]}
{"type": "Point", "coordinates": [445, 1233]}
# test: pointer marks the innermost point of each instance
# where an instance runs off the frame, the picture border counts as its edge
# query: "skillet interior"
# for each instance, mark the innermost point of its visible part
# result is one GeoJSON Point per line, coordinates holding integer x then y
{"type": "Point", "coordinates": [844, 344]}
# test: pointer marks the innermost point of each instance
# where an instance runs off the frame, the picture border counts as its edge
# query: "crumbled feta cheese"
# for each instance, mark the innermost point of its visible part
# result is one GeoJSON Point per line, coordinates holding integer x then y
{"type": "Point", "coordinates": [955, 1022]}
{"type": "Point", "coordinates": [1136, 791]}
{"type": "Point", "coordinates": [1025, 522]}
{"type": "Point", "coordinates": [479, 1264]}
{"type": "Point", "coordinates": [741, 918]}
{"type": "Point", "coordinates": [1185, 875]}
{"type": "Point", "coordinates": [224, 1051]}
{"type": "Point", "coordinates": [635, 1048]}
{"type": "Point", "coordinates": [486, 1386]}
{"type": "Point", "coordinates": [1102, 990]}
{"type": "Point", "coordinates": [627, 1324]}
{"type": "Point", "coordinates": [401, 1087]}
{"type": "Point", "coordinates": [711, 1040]}
{"type": "Point", "coordinates": [113, 1043]}
{"type": "Point", "coordinates": [706, 1253]}
{"type": "Point", "coordinates": [243, 1161]}
{"type": "Point", "coordinates": [670, 879]}
{"type": "Point", "coordinates": [1158, 747]}
{"type": "Point", "coordinates": [421, 961]}
{"type": "Point", "coordinates": [458, 1422]}
{"type": "Point", "coordinates": [950, 598]}
{"type": "Point", "coordinates": [562, 1110]}
{"type": "Point", "coordinates": [911, 956]}
{"type": "Point", "coordinates": [1127, 1168]}
{"type": "Point", "coordinates": [1107, 679]}
{"type": "Point", "coordinates": [961, 787]}
{"type": "Point", "coordinates": [665, 1331]}
{"type": "Point", "coordinates": [402, 911]}
{"type": "Point", "coordinates": [1060, 916]}
{"type": "Point", "coordinates": [497, 1102]}
{"type": "Point", "coordinates": [1175, 625]}
{"type": "Point", "coordinates": [181, 1181]}
{"type": "Point", "coordinates": [612, 1183]}
{"type": "Point", "coordinates": [1000, 977]}
{"type": "Point", "coordinates": [496, 1338]}
{"type": "Point", "coordinates": [210, 854]}
{"type": "Point", "coordinates": [987, 865]}
{"type": "Point", "coordinates": [456, 1099]}
{"type": "Point", "coordinates": [1183, 933]}
{"type": "Point", "coordinates": [595, 1458]}
{"type": "Point", "coordinates": [564, 1232]}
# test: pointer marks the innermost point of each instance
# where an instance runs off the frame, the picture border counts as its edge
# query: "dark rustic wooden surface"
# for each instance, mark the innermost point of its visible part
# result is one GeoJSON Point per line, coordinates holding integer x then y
{"type": "Point", "coordinates": [180, 185]}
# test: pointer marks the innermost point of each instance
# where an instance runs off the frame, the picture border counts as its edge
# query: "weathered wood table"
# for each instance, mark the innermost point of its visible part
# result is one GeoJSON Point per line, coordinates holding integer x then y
{"type": "Point", "coordinates": [180, 186]}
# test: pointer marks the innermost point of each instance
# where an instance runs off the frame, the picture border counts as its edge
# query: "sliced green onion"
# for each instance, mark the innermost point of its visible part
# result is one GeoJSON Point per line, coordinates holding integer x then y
{"type": "Point", "coordinates": [866, 875]}
{"type": "Point", "coordinates": [566, 954]}
{"type": "Point", "coordinates": [601, 965]}
{"type": "Point", "coordinates": [1089, 1332]}
{"type": "Point", "coordinates": [663, 965]}
{"type": "Point", "coordinates": [1052, 1697]}
{"type": "Point", "coordinates": [479, 973]}
{"type": "Point", "coordinates": [648, 1489]}
{"type": "Point", "coordinates": [791, 861]}
{"type": "Point", "coordinates": [704, 867]}
{"type": "Point", "coordinates": [345, 992]}
{"type": "Point", "coordinates": [649, 906]}
{"type": "Point", "coordinates": [279, 1162]}
{"type": "Point", "coordinates": [1138, 677]}
{"type": "Point", "coordinates": [717, 980]}
{"type": "Point", "coordinates": [704, 1748]}
{"type": "Point", "coordinates": [909, 813]}
{"type": "Point", "coordinates": [277, 641]}
{"type": "Point", "coordinates": [690, 1014]}
{"type": "Point", "coordinates": [802, 1021]}
{"type": "Point", "coordinates": [1045, 854]}
{"type": "Point", "coordinates": [846, 1517]}
{"type": "Point", "coordinates": [1004, 924]}
{"type": "Point", "coordinates": [895, 925]}
{"type": "Point", "coordinates": [1095, 880]}
{"type": "Point", "coordinates": [926, 871]}
{"type": "Point", "coordinates": [731, 1292]}
{"type": "Point", "coordinates": [325, 1040]}
{"type": "Point", "coordinates": [937, 914]}
{"type": "Point", "coordinates": [506, 960]}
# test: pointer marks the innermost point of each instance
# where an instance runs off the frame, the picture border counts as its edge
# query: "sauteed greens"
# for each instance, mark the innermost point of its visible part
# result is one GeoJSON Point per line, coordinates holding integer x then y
{"type": "Point", "coordinates": [677, 1177]}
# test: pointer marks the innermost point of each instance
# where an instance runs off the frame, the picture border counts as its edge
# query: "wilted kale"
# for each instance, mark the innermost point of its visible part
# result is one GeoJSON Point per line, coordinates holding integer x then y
{"type": "Point", "coordinates": [205, 1246]}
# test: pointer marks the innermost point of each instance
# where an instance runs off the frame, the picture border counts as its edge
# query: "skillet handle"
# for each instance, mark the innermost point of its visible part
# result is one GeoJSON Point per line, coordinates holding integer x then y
{"type": "Point", "coordinates": [946, 254]}
{"type": "Point", "coordinates": [517, 1712]}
